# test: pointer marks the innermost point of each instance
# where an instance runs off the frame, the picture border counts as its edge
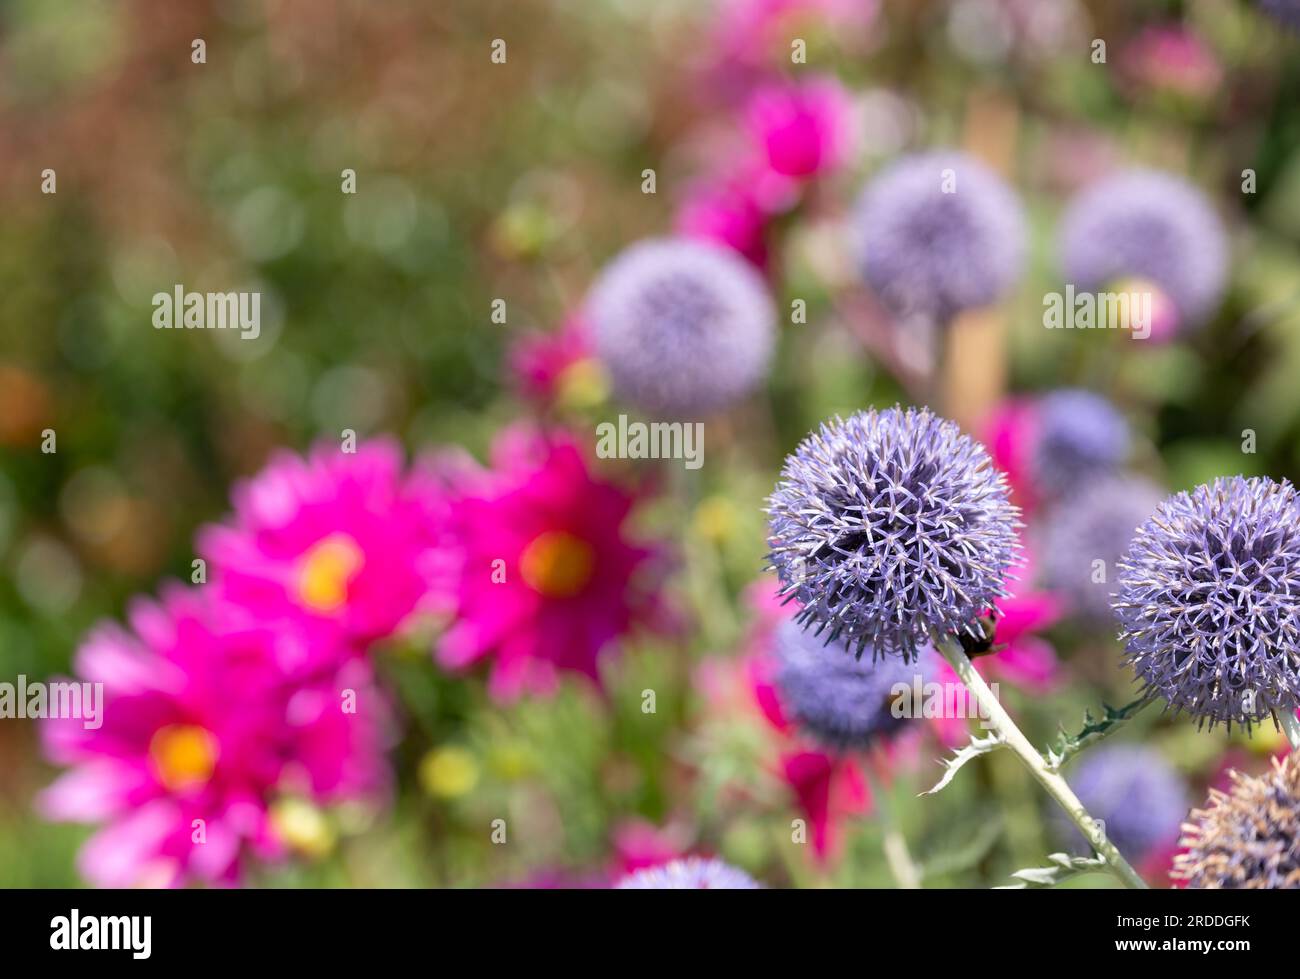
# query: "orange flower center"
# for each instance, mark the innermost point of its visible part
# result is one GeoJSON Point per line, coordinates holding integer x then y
{"type": "Point", "coordinates": [326, 571]}
{"type": "Point", "coordinates": [557, 564]}
{"type": "Point", "coordinates": [183, 755]}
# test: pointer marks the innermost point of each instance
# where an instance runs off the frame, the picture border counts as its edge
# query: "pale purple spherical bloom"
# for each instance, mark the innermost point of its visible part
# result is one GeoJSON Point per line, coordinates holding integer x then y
{"type": "Point", "coordinates": [1209, 601]}
{"type": "Point", "coordinates": [843, 701]}
{"type": "Point", "coordinates": [683, 326]}
{"type": "Point", "coordinates": [1083, 536]}
{"type": "Point", "coordinates": [691, 873]}
{"type": "Point", "coordinates": [1078, 436]}
{"type": "Point", "coordinates": [1135, 792]}
{"type": "Point", "coordinates": [939, 233]}
{"type": "Point", "coordinates": [1284, 11]}
{"type": "Point", "coordinates": [889, 526]}
{"type": "Point", "coordinates": [1147, 224]}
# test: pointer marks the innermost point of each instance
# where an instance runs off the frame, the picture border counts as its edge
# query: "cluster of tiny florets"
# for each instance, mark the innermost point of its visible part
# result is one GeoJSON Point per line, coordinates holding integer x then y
{"type": "Point", "coordinates": [692, 873]}
{"type": "Point", "coordinates": [1209, 601]}
{"type": "Point", "coordinates": [1137, 795]}
{"type": "Point", "coordinates": [888, 527]}
{"type": "Point", "coordinates": [939, 233]}
{"type": "Point", "coordinates": [843, 701]}
{"type": "Point", "coordinates": [1248, 839]}
{"type": "Point", "coordinates": [682, 326]}
{"type": "Point", "coordinates": [1083, 536]}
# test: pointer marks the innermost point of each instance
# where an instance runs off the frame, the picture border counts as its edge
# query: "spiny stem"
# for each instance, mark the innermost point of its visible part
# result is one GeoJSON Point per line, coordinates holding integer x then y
{"type": "Point", "coordinates": [1000, 721]}
{"type": "Point", "coordinates": [1291, 725]}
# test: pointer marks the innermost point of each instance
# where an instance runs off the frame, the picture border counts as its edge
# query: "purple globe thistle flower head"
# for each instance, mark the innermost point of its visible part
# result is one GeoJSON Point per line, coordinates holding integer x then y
{"type": "Point", "coordinates": [842, 700]}
{"type": "Point", "coordinates": [1135, 792]}
{"type": "Point", "coordinates": [1078, 436]}
{"type": "Point", "coordinates": [1147, 224]}
{"type": "Point", "coordinates": [683, 326]}
{"type": "Point", "coordinates": [1283, 11]}
{"type": "Point", "coordinates": [692, 873]}
{"type": "Point", "coordinates": [1246, 839]}
{"type": "Point", "coordinates": [1084, 535]}
{"type": "Point", "coordinates": [889, 526]}
{"type": "Point", "coordinates": [939, 233]}
{"type": "Point", "coordinates": [1209, 601]}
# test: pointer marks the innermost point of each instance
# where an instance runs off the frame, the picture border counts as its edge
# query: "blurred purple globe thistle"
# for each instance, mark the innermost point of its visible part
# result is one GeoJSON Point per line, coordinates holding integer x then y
{"type": "Point", "coordinates": [691, 873]}
{"type": "Point", "coordinates": [1095, 523]}
{"type": "Point", "coordinates": [683, 326]}
{"type": "Point", "coordinates": [1135, 792]}
{"type": "Point", "coordinates": [1284, 11]}
{"type": "Point", "coordinates": [889, 526]}
{"type": "Point", "coordinates": [1079, 436]}
{"type": "Point", "coordinates": [939, 233]}
{"type": "Point", "coordinates": [842, 700]}
{"type": "Point", "coordinates": [1152, 225]}
{"type": "Point", "coordinates": [1209, 601]}
{"type": "Point", "coordinates": [1246, 839]}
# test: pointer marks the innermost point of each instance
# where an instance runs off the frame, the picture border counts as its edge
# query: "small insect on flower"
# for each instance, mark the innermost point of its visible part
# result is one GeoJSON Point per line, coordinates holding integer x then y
{"type": "Point", "coordinates": [691, 874]}
{"type": "Point", "coordinates": [889, 526]}
{"type": "Point", "coordinates": [1246, 839]}
{"type": "Point", "coordinates": [1209, 601]}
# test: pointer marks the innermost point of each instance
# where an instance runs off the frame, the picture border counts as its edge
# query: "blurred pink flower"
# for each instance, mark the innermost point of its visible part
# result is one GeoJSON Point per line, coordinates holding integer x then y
{"type": "Point", "coordinates": [1009, 436]}
{"type": "Point", "coordinates": [639, 843]}
{"type": "Point", "coordinates": [541, 362]}
{"type": "Point", "coordinates": [726, 211]}
{"type": "Point", "coordinates": [804, 129]}
{"type": "Point", "coordinates": [1171, 58]}
{"type": "Point", "coordinates": [202, 728]}
{"type": "Point", "coordinates": [546, 579]}
{"type": "Point", "coordinates": [340, 539]}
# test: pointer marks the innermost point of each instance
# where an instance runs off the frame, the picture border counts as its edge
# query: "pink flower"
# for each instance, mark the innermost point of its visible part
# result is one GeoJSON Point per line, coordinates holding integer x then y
{"type": "Point", "coordinates": [726, 211]}
{"type": "Point", "coordinates": [639, 844]}
{"type": "Point", "coordinates": [546, 578]}
{"type": "Point", "coordinates": [1009, 435]}
{"type": "Point", "coordinates": [803, 129]}
{"type": "Point", "coordinates": [544, 366]}
{"type": "Point", "coordinates": [203, 727]}
{"type": "Point", "coordinates": [340, 539]}
{"type": "Point", "coordinates": [1172, 58]}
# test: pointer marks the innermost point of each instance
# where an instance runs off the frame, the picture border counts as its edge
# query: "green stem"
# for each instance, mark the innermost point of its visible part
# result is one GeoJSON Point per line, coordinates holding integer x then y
{"type": "Point", "coordinates": [894, 844]}
{"type": "Point", "coordinates": [1002, 724]}
{"type": "Point", "coordinates": [1291, 725]}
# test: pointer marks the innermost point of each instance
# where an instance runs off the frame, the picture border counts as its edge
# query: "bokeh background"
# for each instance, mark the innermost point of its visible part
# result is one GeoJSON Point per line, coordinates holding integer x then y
{"type": "Point", "coordinates": [479, 181]}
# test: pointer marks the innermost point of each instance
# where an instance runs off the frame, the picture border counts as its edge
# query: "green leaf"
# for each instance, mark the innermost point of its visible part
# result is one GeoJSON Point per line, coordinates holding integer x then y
{"type": "Point", "coordinates": [1094, 729]}
{"type": "Point", "coordinates": [977, 747]}
{"type": "Point", "coordinates": [1063, 868]}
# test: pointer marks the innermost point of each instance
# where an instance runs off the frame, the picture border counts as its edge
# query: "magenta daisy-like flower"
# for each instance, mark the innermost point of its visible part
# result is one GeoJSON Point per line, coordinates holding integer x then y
{"type": "Point", "coordinates": [547, 579]}
{"type": "Point", "coordinates": [342, 539]}
{"type": "Point", "coordinates": [203, 728]}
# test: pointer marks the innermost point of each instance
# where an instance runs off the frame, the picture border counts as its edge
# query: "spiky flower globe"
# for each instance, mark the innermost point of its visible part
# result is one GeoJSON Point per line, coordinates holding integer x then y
{"type": "Point", "coordinates": [843, 701]}
{"type": "Point", "coordinates": [1209, 601]}
{"type": "Point", "coordinates": [1083, 536]}
{"type": "Point", "coordinates": [692, 873]}
{"type": "Point", "coordinates": [1246, 839]}
{"type": "Point", "coordinates": [1151, 225]}
{"type": "Point", "coordinates": [684, 327]}
{"type": "Point", "coordinates": [1078, 436]}
{"type": "Point", "coordinates": [889, 526]}
{"type": "Point", "coordinates": [1135, 792]}
{"type": "Point", "coordinates": [939, 233]}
